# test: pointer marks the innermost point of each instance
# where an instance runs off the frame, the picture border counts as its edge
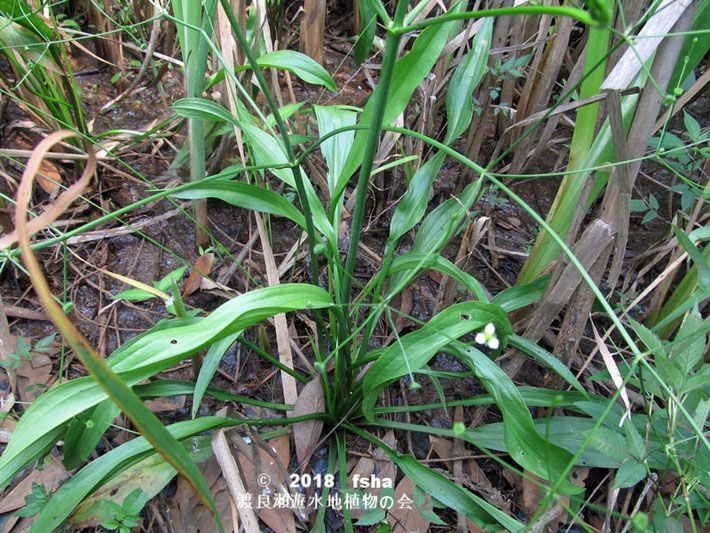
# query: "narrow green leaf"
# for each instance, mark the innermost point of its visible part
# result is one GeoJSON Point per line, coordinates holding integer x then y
{"type": "Point", "coordinates": [696, 255]}
{"type": "Point", "coordinates": [519, 296]}
{"type": "Point", "coordinates": [413, 205]}
{"type": "Point", "coordinates": [246, 196]}
{"type": "Point", "coordinates": [546, 358]}
{"type": "Point", "coordinates": [335, 150]}
{"type": "Point", "coordinates": [203, 109]}
{"type": "Point", "coordinates": [300, 64]}
{"type": "Point", "coordinates": [467, 76]}
{"type": "Point", "coordinates": [422, 261]}
{"type": "Point", "coordinates": [368, 18]}
{"type": "Point", "coordinates": [409, 71]}
{"type": "Point", "coordinates": [85, 431]}
{"type": "Point", "coordinates": [523, 443]}
{"type": "Point", "coordinates": [412, 351]}
{"type": "Point", "coordinates": [209, 367]}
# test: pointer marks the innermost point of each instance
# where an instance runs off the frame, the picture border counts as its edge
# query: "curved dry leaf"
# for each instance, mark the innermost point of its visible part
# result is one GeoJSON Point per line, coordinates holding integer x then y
{"type": "Point", "coordinates": [306, 434]}
{"type": "Point", "coordinates": [49, 177]}
{"type": "Point", "coordinates": [279, 519]}
{"type": "Point", "coordinates": [200, 270]}
{"type": "Point", "coordinates": [406, 518]}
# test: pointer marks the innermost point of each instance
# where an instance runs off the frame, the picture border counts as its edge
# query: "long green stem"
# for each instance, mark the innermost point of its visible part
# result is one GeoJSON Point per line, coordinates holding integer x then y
{"type": "Point", "coordinates": [297, 176]}
{"type": "Point", "coordinates": [388, 62]}
{"type": "Point", "coordinates": [578, 14]}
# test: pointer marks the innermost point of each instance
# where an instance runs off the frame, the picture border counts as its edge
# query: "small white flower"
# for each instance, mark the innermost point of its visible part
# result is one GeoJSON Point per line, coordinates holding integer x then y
{"type": "Point", "coordinates": [488, 337]}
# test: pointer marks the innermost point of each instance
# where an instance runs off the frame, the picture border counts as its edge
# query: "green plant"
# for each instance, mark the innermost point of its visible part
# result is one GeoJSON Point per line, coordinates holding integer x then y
{"type": "Point", "coordinates": [23, 350]}
{"type": "Point", "coordinates": [43, 83]}
{"type": "Point", "coordinates": [350, 368]}
{"type": "Point", "coordinates": [123, 518]}
{"type": "Point", "coordinates": [35, 501]}
{"type": "Point", "coordinates": [649, 207]}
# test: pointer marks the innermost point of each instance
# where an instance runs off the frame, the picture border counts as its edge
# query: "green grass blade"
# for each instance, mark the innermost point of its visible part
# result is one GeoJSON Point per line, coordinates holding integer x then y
{"type": "Point", "coordinates": [467, 76]}
{"type": "Point", "coordinates": [245, 196]}
{"type": "Point", "coordinates": [409, 71]}
{"type": "Point", "coordinates": [546, 358]}
{"type": "Point", "coordinates": [209, 367]}
{"type": "Point", "coordinates": [300, 64]}
{"type": "Point", "coordinates": [147, 355]}
{"type": "Point", "coordinates": [412, 351]}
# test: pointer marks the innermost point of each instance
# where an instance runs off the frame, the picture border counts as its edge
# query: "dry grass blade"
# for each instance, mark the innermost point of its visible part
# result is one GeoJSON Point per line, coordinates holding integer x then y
{"type": "Point", "coordinates": [234, 481]}
{"type": "Point", "coordinates": [613, 371]}
{"type": "Point", "coordinates": [64, 200]}
{"type": "Point", "coordinates": [123, 396]}
{"type": "Point", "coordinates": [282, 337]}
{"type": "Point", "coordinates": [645, 44]}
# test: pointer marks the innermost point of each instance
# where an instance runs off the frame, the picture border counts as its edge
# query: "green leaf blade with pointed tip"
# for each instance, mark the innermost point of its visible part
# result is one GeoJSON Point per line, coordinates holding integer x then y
{"type": "Point", "coordinates": [245, 196]}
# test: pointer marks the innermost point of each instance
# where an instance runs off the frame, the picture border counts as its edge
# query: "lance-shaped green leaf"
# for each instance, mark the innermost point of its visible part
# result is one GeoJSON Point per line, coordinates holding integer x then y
{"type": "Point", "coordinates": [368, 16]}
{"type": "Point", "coordinates": [203, 109]}
{"type": "Point", "coordinates": [269, 151]}
{"type": "Point", "coordinates": [147, 355]}
{"type": "Point", "coordinates": [335, 150]}
{"type": "Point", "coordinates": [209, 367]}
{"type": "Point", "coordinates": [524, 444]}
{"type": "Point", "coordinates": [409, 71]}
{"type": "Point", "coordinates": [413, 351]}
{"type": "Point", "coordinates": [300, 64]}
{"type": "Point", "coordinates": [412, 206]}
{"type": "Point", "coordinates": [439, 263]}
{"type": "Point", "coordinates": [246, 196]}
{"type": "Point", "coordinates": [459, 104]}
{"type": "Point", "coordinates": [446, 491]}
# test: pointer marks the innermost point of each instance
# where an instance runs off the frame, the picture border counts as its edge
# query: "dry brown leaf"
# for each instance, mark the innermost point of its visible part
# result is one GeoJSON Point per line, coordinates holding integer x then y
{"type": "Point", "coordinates": [405, 309]}
{"type": "Point", "coordinates": [280, 520]}
{"type": "Point", "coordinates": [532, 492]}
{"type": "Point", "coordinates": [406, 518]}
{"type": "Point", "coordinates": [200, 270]}
{"type": "Point", "coordinates": [442, 448]}
{"type": "Point", "coordinates": [51, 476]}
{"type": "Point", "coordinates": [187, 511]}
{"type": "Point", "coordinates": [306, 434]}
{"type": "Point", "coordinates": [49, 177]}
{"type": "Point", "coordinates": [34, 376]}
{"type": "Point", "coordinates": [166, 403]}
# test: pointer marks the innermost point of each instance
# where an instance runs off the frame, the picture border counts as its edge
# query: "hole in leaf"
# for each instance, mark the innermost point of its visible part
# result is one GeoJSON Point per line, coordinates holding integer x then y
{"type": "Point", "coordinates": [173, 341]}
